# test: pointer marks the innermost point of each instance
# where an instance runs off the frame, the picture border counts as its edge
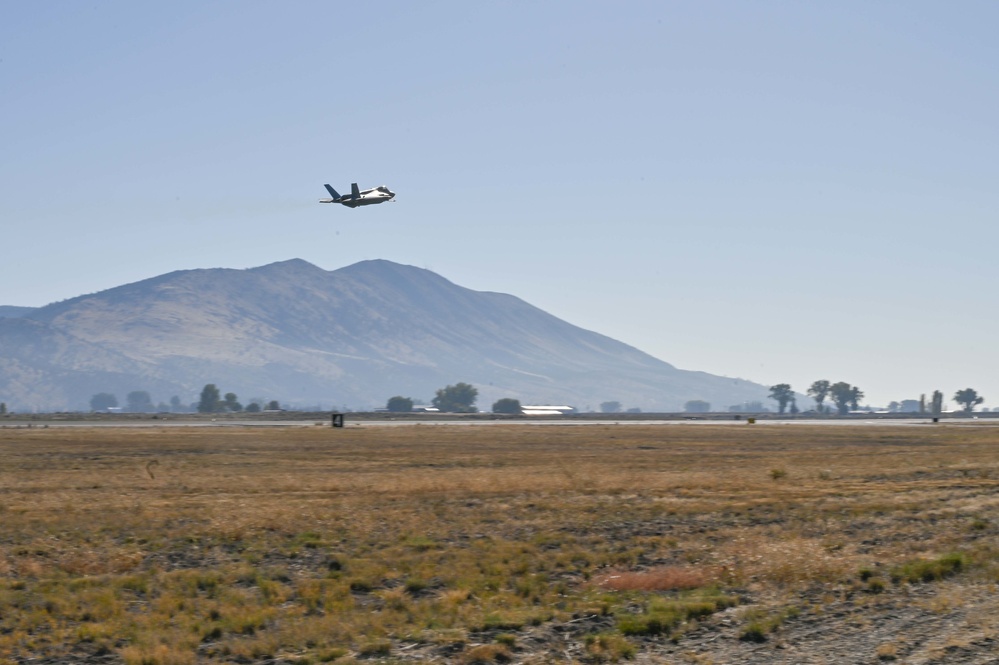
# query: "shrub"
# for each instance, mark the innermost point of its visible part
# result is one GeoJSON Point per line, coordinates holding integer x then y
{"type": "Point", "coordinates": [376, 648]}
{"type": "Point", "coordinates": [754, 632]}
{"type": "Point", "coordinates": [486, 653]}
{"type": "Point", "coordinates": [929, 570]}
{"type": "Point", "coordinates": [663, 615]}
{"type": "Point", "coordinates": [609, 648]}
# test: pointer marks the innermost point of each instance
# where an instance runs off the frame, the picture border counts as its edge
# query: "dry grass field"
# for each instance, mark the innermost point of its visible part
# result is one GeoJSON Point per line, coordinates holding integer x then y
{"type": "Point", "coordinates": [700, 543]}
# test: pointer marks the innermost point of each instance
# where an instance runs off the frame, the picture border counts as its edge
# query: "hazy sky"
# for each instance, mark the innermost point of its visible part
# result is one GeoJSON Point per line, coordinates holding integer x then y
{"type": "Point", "coordinates": [778, 191]}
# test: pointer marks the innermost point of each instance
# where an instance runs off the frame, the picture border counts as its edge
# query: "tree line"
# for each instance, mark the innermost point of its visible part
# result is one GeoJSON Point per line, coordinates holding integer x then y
{"type": "Point", "coordinates": [210, 401]}
{"type": "Point", "coordinates": [461, 398]}
{"type": "Point", "coordinates": [846, 398]}
{"type": "Point", "coordinates": [457, 398]}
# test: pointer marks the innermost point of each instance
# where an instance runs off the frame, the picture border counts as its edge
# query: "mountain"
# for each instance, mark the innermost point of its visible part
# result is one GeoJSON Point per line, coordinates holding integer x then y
{"type": "Point", "coordinates": [351, 337]}
{"type": "Point", "coordinates": [12, 312]}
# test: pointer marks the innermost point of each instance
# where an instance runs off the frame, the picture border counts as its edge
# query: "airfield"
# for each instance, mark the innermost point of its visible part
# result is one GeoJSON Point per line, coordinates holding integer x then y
{"type": "Point", "coordinates": [647, 542]}
{"type": "Point", "coordinates": [378, 419]}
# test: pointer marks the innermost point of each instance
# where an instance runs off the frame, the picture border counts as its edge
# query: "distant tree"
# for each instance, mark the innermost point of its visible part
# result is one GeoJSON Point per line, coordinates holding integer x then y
{"type": "Point", "coordinates": [922, 403]}
{"type": "Point", "coordinates": [845, 396]}
{"type": "Point", "coordinates": [894, 407]}
{"type": "Point", "coordinates": [908, 406]}
{"type": "Point", "coordinates": [936, 403]}
{"type": "Point", "coordinates": [969, 398]}
{"type": "Point", "coordinates": [103, 402]}
{"type": "Point", "coordinates": [856, 394]}
{"type": "Point", "coordinates": [273, 406]}
{"type": "Point", "coordinates": [697, 406]}
{"type": "Point", "coordinates": [175, 404]}
{"type": "Point", "coordinates": [3, 408]}
{"type": "Point", "coordinates": [782, 394]}
{"type": "Point", "coordinates": [794, 410]}
{"type": "Point", "coordinates": [459, 398]}
{"type": "Point", "coordinates": [818, 391]}
{"type": "Point", "coordinates": [399, 404]}
{"type": "Point", "coordinates": [507, 405]}
{"type": "Point", "coordinates": [138, 401]}
{"type": "Point", "coordinates": [210, 401]}
{"type": "Point", "coordinates": [231, 403]}
{"type": "Point", "coordinates": [253, 407]}
{"type": "Point", "coordinates": [748, 407]}
{"type": "Point", "coordinates": [610, 407]}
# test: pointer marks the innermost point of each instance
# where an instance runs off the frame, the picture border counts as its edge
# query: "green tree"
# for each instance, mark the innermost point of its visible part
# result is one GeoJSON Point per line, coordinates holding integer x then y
{"type": "Point", "coordinates": [936, 404]}
{"type": "Point", "coordinates": [697, 406]}
{"type": "Point", "coordinates": [459, 398]}
{"type": "Point", "coordinates": [507, 405]}
{"type": "Point", "coordinates": [845, 397]}
{"type": "Point", "coordinates": [3, 408]}
{"type": "Point", "coordinates": [782, 394]}
{"type": "Point", "coordinates": [610, 407]}
{"type": "Point", "coordinates": [232, 403]}
{"type": "Point", "coordinates": [210, 401]}
{"type": "Point", "coordinates": [969, 398]}
{"type": "Point", "coordinates": [818, 391]}
{"type": "Point", "coordinates": [399, 404]}
{"type": "Point", "coordinates": [273, 405]}
{"type": "Point", "coordinates": [253, 407]}
{"type": "Point", "coordinates": [138, 401]}
{"type": "Point", "coordinates": [103, 402]}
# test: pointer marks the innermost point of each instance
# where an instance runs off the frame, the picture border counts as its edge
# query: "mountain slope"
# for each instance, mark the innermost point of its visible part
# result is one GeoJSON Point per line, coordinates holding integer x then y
{"type": "Point", "coordinates": [350, 337]}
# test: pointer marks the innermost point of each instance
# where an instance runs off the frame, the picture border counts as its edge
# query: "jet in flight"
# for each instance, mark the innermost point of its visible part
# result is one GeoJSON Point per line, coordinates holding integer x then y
{"type": "Point", "coordinates": [359, 197]}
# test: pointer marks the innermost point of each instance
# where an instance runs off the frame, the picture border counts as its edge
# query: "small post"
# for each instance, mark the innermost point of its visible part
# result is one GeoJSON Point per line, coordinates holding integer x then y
{"type": "Point", "coordinates": [337, 420]}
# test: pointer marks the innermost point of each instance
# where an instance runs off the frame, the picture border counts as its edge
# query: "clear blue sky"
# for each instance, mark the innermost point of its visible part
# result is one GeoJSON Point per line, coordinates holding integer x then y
{"type": "Point", "coordinates": [778, 191]}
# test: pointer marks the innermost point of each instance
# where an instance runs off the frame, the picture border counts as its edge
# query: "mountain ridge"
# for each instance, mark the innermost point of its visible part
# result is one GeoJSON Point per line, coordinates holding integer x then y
{"type": "Point", "coordinates": [351, 337]}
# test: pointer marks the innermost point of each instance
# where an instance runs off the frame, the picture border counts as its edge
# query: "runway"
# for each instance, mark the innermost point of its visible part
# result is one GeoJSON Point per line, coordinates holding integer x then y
{"type": "Point", "coordinates": [368, 422]}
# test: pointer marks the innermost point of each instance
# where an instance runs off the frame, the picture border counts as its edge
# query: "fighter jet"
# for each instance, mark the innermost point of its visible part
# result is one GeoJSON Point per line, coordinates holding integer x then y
{"type": "Point", "coordinates": [358, 197]}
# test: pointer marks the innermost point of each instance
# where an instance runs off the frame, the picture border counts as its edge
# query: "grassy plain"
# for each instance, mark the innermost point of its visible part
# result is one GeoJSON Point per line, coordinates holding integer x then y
{"type": "Point", "coordinates": [478, 544]}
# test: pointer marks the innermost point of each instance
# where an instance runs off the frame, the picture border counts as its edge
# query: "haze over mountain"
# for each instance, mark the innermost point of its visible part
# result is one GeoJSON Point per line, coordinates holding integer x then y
{"type": "Point", "coordinates": [305, 336]}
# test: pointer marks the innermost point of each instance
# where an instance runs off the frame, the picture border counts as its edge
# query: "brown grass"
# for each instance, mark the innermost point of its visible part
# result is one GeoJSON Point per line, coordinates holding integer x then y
{"type": "Point", "coordinates": [178, 545]}
{"type": "Point", "coordinates": [664, 578]}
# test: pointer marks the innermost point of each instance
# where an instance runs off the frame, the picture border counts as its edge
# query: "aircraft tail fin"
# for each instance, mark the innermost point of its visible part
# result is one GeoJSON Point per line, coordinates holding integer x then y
{"type": "Point", "coordinates": [331, 191]}
{"type": "Point", "coordinates": [355, 193]}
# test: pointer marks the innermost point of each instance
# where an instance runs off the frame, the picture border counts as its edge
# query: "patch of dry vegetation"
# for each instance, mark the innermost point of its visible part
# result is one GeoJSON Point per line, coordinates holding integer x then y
{"type": "Point", "coordinates": [319, 545]}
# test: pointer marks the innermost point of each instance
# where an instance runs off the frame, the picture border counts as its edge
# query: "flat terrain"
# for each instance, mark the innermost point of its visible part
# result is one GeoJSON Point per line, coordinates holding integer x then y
{"type": "Point", "coordinates": [646, 543]}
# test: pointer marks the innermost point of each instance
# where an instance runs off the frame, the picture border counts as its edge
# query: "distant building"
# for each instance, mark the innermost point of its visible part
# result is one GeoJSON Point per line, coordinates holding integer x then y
{"type": "Point", "coordinates": [546, 410]}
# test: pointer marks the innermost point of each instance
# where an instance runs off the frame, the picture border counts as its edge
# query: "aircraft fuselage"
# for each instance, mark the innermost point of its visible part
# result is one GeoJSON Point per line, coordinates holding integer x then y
{"type": "Point", "coordinates": [358, 197]}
